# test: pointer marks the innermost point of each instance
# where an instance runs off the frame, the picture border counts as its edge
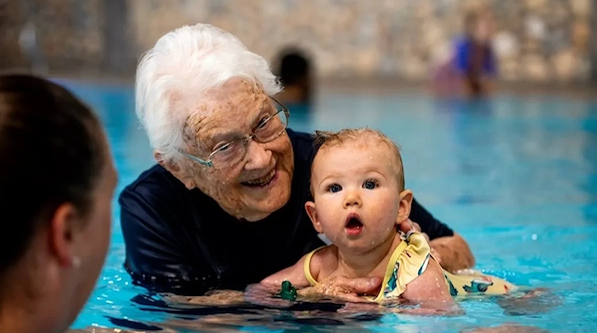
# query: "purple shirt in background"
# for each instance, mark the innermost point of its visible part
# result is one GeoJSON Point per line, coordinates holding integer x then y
{"type": "Point", "coordinates": [464, 57]}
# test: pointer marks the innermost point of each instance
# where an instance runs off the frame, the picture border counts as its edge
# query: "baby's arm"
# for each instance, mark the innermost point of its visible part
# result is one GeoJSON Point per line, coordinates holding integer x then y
{"type": "Point", "coordinates": [430, 291]}
{"type": "Point", "coordinates": [295, 274]}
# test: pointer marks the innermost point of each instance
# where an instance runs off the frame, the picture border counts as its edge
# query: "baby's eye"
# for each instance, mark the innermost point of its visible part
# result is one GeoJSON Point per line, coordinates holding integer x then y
{"type": "Point", "coordinates": [334, 188]}
{"type": "Point", "coordinates": [370, 184]}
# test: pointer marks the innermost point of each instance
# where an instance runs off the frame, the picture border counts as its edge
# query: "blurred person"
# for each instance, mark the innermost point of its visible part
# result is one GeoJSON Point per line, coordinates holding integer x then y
{"type": "Point", "coordinates": [472, 68]}
{"type": "Point", "coordinates": [295, 74]}
{"type": "Point", "coordinates": [475, 59]}
{"type": "Point", "coordinates": [57, 180]}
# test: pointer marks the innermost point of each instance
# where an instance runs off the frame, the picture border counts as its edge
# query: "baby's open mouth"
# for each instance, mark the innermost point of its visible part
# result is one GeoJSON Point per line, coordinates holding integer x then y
{"type": "Point", "coordinates": [353, 226]}
{"type": "Point", "coordinates": [261, 182]}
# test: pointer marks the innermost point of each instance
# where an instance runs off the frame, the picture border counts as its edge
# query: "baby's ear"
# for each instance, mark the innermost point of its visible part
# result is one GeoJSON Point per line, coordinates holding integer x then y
{"type": "Point", "coordinates": [406, 199]}
{"type": "Point", "coordinates": [312, 212]}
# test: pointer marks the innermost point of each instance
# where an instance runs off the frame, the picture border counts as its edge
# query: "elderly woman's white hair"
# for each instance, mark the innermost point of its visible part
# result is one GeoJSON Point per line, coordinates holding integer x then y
{"type": "Point", "coordinates": [184, 64]}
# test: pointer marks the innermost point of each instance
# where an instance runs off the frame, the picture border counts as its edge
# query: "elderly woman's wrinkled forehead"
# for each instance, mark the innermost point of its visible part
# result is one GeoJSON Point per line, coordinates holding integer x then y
{"type": "Point", "coordinates": [224, 105]}
{"type": "Point", "coordinates": [235, 88]}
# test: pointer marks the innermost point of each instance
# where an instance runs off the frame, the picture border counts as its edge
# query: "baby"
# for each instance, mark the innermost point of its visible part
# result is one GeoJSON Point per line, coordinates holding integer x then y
{"type": "Point", "coordinates": [359, 201]}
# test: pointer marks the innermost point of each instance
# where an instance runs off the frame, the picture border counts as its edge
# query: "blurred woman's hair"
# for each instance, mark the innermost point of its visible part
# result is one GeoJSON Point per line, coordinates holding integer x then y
{"type": "Point", "coordinates": [471, 18]}
{"type": "Point", "coordinates": [52, 152]}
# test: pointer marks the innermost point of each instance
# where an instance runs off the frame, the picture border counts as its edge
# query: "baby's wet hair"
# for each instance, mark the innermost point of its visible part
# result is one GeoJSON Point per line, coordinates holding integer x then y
{"type": "Point", "coordinates": [323, 139]}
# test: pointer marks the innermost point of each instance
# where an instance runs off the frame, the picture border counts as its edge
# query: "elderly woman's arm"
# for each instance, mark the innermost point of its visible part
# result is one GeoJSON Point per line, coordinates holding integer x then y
{"type": "Point", "coordinates": [452, 250]}
{"type": "Point", "coordinates": [153, 253]}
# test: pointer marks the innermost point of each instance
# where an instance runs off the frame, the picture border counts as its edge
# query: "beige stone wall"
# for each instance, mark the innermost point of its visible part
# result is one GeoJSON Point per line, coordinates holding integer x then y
{"type": "Point", "coordinates": [536, 40]}
{"type": "Point", "coordinates": [10, 20]}
{"type": "Point", "coordinates": [68, 34]}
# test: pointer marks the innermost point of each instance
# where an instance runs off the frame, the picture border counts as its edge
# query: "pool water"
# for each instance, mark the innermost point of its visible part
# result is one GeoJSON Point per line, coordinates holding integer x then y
{"type": "Point", "coordinates": [515, 175]}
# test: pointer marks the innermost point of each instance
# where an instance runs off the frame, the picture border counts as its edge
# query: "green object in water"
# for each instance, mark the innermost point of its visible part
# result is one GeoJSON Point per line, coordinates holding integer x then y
{"type": "Point", "coordinates": [288, 291]}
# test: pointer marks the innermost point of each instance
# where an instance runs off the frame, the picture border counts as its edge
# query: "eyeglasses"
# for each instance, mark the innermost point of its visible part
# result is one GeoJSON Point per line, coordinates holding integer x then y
{"type": "Point", "coordinates": [229, 154]}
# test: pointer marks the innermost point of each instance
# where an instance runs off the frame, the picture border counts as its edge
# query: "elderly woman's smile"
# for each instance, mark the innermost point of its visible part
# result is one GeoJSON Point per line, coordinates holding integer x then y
{"type": "Point", "coordinates": [262, 182]}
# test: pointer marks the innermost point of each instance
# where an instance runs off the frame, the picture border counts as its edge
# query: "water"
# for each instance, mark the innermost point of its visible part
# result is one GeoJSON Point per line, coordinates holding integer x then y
{"type": "Point", "coordinates": [516, 176]}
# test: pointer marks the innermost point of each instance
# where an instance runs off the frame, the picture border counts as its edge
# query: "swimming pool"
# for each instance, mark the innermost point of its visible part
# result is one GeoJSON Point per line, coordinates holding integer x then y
{"type": "Point", "coordinates": [516, 176]}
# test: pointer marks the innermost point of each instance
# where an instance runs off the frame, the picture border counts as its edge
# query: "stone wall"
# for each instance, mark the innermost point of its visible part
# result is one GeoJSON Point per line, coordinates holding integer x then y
{"type": "Point", "coordinates": [536, 40]}
{"type": "Point", "coordinates": [57, 34]}
{"type": "Point", "coordinates": [10, 20]}
{"type": "Point", "coordinates": [73, 37]}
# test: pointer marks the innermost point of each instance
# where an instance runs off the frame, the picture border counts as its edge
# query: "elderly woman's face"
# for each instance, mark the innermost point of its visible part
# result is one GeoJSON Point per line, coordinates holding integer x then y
{"type": "Point", "coordinates": [259, 182]}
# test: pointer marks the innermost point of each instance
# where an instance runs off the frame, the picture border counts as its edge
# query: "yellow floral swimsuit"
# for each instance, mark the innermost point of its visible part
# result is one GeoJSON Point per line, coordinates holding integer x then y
{"type": "Point", "coordinates": [410, 259]}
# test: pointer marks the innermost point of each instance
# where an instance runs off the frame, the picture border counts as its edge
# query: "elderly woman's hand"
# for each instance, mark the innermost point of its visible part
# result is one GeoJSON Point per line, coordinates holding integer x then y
{"type": "Point", "coordinates": [344, 289]}
{"type": "Point", "coordinates": [409, 225]}
{"type": "Point", "coordinates": [214, 298]}
{"type": "Point", "coordinates": [451, 252]}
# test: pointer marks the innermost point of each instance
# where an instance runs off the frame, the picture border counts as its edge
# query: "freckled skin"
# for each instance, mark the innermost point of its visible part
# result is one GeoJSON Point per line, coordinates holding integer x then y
{"type": "Point", "coordinates": [234, 108]}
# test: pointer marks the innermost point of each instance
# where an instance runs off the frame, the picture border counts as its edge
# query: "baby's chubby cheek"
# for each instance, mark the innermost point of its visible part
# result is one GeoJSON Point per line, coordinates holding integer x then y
{"type": "Point", "coordinates": [386, 209]}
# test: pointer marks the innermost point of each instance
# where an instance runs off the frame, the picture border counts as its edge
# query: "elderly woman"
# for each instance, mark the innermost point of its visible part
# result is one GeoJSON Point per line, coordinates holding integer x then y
{"type": "Point", "coordinates": [224, 205]}
{"type": "Point", "coordinates": [57, 181]}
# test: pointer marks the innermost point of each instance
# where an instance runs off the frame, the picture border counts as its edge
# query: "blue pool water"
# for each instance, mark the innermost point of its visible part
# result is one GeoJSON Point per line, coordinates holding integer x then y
{"type": "Point", "coordinates": [516, 176]}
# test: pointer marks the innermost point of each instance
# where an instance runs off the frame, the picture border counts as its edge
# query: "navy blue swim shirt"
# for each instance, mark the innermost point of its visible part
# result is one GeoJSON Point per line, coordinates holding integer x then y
{"type": "Point", "coordinates": [181, 241]}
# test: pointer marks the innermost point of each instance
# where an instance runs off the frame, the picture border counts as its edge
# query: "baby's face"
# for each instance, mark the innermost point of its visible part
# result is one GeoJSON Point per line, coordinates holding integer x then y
{"type": "Point", "coordinates": [356, 193]}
